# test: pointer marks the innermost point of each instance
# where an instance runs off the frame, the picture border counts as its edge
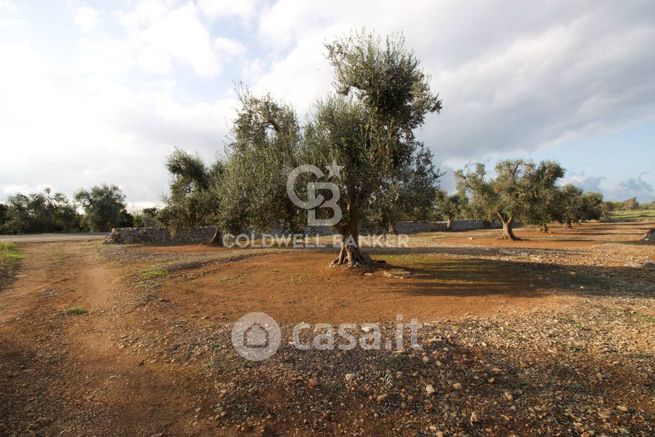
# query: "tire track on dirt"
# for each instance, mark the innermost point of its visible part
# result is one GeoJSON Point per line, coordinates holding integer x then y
{"type": "Point", "coordinates": [67, 374]}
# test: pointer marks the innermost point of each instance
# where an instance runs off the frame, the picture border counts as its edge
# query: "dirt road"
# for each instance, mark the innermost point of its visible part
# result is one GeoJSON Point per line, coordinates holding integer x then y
{"type": "Point", "coordinates": [66, 373]}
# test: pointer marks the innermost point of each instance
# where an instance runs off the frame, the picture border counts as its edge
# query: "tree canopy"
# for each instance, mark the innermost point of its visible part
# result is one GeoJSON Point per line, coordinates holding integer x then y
{"type": "Point", "coordinates": [104, 207]}
{"type": "Point", "coordinates": [520, 191]}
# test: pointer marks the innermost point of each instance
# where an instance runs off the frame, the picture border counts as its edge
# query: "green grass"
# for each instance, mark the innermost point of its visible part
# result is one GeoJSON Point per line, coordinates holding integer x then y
{"type": "Point", "coordinates": [9, 258]}
{"type": "Point", "coordinates": [152, 277]}
{"type": "Point", "coordinates": [639, 214]}
{"type": "Point", "coordinates": [154, 273]}
{"type": "Point", "coordinates": [76, 311]}
{"type": "Point", "coordinates": [8, 252]}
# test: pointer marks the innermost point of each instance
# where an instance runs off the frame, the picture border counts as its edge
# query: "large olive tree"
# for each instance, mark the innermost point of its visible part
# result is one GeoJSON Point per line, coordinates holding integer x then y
{"type": "Point", "coordinates": [368, 128]}
{"type": "Point", "coordinates": [266, 147]}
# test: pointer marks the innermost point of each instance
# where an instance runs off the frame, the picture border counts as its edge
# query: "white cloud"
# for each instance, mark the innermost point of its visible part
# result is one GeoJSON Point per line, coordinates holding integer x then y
{"type": "Point", "coordinates": [613, 188]}
{"type": "Point", "coordinates": [8, 5]}
{"type": "Point", "coordinates": [161, 36]}
{"type": "Point", "coordinates": [86, 18]}
{"type": "Point", "coordinates": [67, 130]}
{"type": "Point", "coordinates": [245, 9]}
{"type": "Point", "coordinates": [228, 48]}
{"type": "Point", "coordinates": [11, 23]}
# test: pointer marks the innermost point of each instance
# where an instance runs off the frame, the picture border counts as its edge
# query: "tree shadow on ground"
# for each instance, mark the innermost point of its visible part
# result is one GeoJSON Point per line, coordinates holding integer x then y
{"type": "Point", "coordinates": [443, 276]}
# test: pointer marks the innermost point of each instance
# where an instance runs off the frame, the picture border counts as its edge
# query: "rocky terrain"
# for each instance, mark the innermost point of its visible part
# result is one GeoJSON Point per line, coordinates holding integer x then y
{"type": "Point", "coordinates": [553, 335]}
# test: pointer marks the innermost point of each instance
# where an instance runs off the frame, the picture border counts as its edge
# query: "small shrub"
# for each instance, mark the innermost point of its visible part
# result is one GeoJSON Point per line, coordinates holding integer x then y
{"type": "Point", "coordinates": [76, 311]}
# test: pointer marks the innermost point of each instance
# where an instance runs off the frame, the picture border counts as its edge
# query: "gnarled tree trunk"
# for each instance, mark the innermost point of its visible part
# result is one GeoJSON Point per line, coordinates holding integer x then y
{"type": "Point", "coordinates": [350, 253]}
{"type": "Point", "coordinates": [449, 224]}
{"type": "Point", "coordinates": [217, 239]}
{"type": "Point", "coordinates": [508, 232]}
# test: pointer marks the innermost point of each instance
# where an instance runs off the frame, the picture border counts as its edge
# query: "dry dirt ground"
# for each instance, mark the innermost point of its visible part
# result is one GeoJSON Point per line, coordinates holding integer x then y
{"type": "Point", "coordinates": [553, 335]}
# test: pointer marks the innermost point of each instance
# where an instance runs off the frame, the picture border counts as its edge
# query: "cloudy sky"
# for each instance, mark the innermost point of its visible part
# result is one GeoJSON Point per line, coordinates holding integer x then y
{"type": "Point", "coordinates": [96, 92]}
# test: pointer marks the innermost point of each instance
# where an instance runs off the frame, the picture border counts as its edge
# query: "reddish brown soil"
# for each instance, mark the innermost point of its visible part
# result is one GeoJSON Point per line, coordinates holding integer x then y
{"type": "Point", "coordinates": [292, 291]}
{"type": "Point", "coordinates": [119, 368]}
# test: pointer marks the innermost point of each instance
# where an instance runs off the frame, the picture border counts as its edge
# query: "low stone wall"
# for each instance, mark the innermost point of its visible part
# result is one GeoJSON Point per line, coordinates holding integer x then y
{"type": "Point", "coordinates": [205, 233]}
{"type": "Point", "coordinates": [432, 226]}
{"type": "Point", "coordinates": [160, 235]}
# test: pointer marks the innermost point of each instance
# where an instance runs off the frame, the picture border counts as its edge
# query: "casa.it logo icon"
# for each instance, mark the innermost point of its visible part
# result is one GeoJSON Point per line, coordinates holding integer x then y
{"type": "Point", "coordinates": [314, 199]}
{"type": "Point", "coordinates": [256, 336]}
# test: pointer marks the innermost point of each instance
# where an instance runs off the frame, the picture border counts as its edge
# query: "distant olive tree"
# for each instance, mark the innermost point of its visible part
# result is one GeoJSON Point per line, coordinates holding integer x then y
{"type": "Point", "coordinates": [449, 207]}
{"type": "Point", "coordinates": [104, 207]}
{"type": "Point", "coordinates": [593, 206]}
{"type": "Point", "coordinates": [571, 204]}
{"type": "Point", "coordinates": [193, 198]}
{"type": "Point", "coordinates": [147, 217]}
{"type": "Point", "coordinates": [520, 191]}
{"type": "Point", "coordinates": [409, 195]}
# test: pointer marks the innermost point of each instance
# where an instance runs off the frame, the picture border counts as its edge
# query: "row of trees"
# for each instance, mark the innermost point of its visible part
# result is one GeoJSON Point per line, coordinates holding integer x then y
{"type": "Point", "coordinates": [367, 126]}
{"type": "Point", "coordinates": [103, 207]}
{"type": "Point", "coordinates": [629, 205]}
{"type": "Point", "coordinates": [521, 191]}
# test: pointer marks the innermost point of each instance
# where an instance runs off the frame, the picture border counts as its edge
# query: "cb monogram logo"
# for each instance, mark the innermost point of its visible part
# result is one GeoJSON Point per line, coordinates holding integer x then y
{"type": "Point", "coordinates": [314, 199]}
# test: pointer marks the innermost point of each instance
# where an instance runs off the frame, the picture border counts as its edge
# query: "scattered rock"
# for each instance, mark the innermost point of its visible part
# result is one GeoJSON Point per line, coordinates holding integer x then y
{"type": "Point", "coordinates": [430, 390]}
{"type": "Point", "coordinates": [397, 273]}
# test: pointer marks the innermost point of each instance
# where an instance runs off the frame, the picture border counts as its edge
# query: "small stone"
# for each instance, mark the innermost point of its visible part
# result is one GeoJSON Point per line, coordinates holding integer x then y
{"type": "Point", "coordinates": [382, 398]}
{"type": "Point", "coordinates": [622, 408]}
{"type": "Point", "coordinates": [426, 359]}
{"type": "Point", "coordinates": [508, 396]}
{"type": "Point", "coordinates": [604, 413]}
{"type": "Point", "coordinates": [430, 390]}
{"type": "Point", "coordinates": [350, 376]}
{"type": "Point", "coordinates": [313, 382]}
{"type": "Point", "coordinates": [457, 386]}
